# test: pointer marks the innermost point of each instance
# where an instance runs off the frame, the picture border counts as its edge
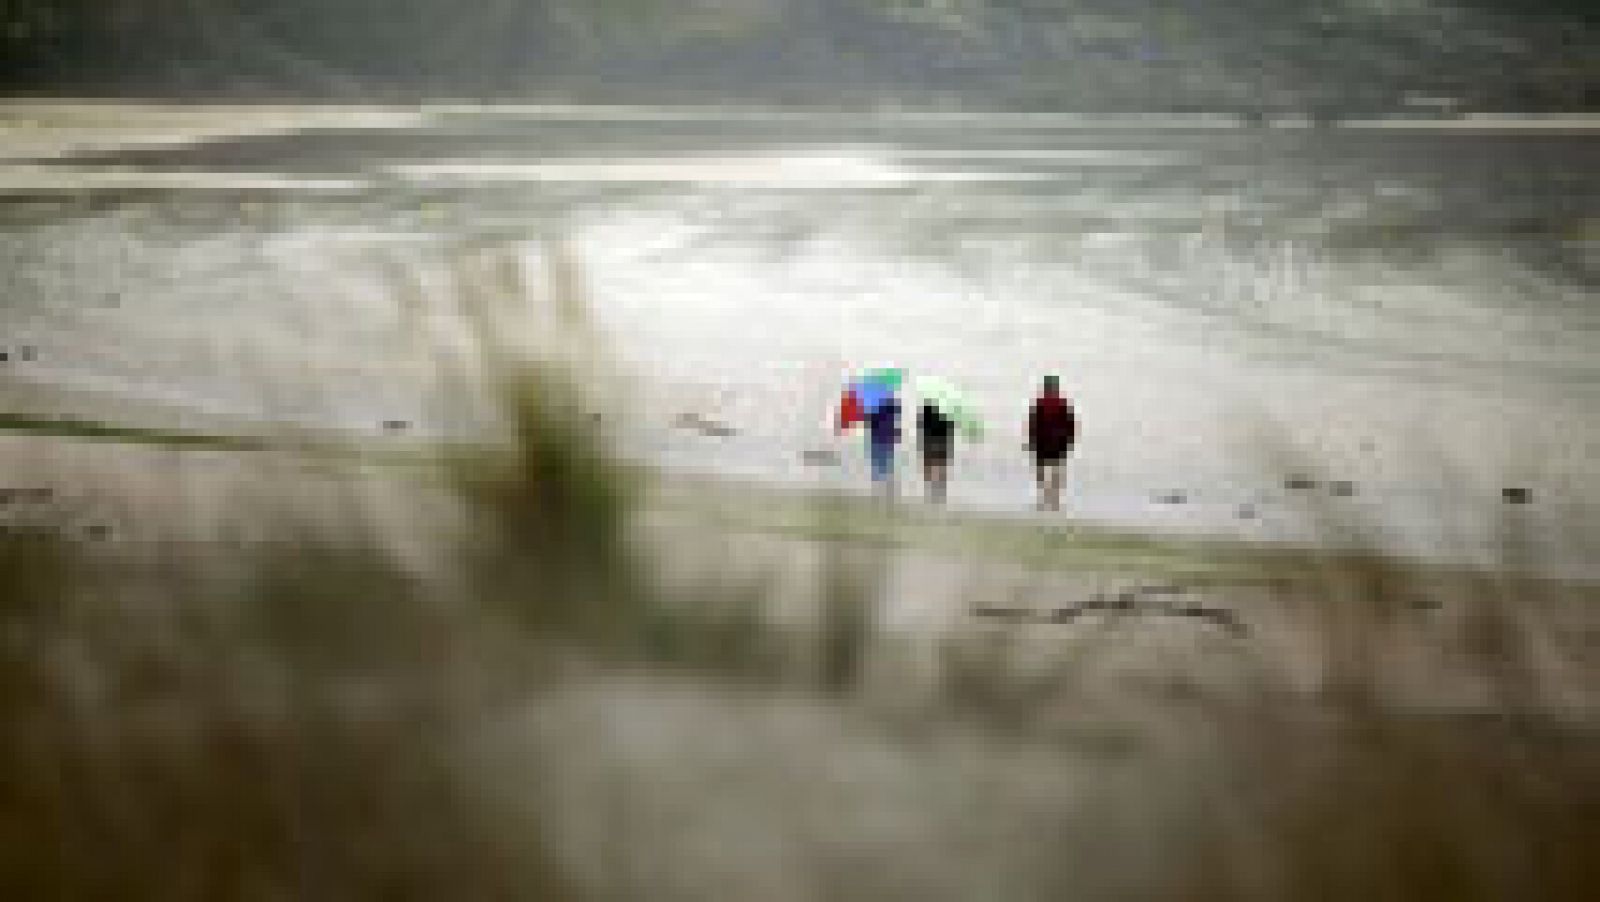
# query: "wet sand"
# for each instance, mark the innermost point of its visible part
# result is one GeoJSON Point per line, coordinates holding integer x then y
{"type": "Point", "coordinates": [271, 249]}
{"type": "Point", "coordinates": [44, 129]}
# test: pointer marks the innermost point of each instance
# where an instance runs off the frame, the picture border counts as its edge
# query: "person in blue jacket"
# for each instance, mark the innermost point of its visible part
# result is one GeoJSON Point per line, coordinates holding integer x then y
{"type": "Point", "coordinates": [883, 434]}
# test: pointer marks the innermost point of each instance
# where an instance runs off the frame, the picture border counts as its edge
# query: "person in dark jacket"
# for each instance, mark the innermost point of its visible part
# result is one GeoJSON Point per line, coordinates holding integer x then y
{"type": "Point", "coordinates": [1052, 431]}
{"type": "Point", "coordinates": [936, 437]}
{"type": "Point", "coordinates": [883, 433]}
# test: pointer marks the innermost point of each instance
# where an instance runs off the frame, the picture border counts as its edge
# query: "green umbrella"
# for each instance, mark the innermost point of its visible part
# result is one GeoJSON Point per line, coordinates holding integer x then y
{"type": "Point", "coordinates": [889, 377]}
{"type": "Point", "coordinates": [952, 403]}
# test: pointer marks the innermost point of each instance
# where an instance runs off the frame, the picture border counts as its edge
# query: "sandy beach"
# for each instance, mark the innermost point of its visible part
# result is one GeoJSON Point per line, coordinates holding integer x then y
{"type": "Point", "coordinates": [304, 266]}
{"type": "Point", "coordinates": [954, 691]}
{"type": "Point", "coordinates": [938, 572]}
{"type": "Point", "coordinates": [392, 489]}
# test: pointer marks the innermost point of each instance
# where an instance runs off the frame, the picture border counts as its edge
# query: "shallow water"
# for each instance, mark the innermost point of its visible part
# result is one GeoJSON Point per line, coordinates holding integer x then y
{"type": "Point", "coordinates": [1410, 310]}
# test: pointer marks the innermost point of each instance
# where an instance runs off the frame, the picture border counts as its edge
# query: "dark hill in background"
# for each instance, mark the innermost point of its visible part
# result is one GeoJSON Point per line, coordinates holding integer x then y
{"type": "Point", "coordinates": [1267, 55]}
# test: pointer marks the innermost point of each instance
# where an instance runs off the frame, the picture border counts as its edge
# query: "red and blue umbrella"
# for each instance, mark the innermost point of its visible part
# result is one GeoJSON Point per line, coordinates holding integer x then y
{"type": "Point", "coordinates": [866, 395]}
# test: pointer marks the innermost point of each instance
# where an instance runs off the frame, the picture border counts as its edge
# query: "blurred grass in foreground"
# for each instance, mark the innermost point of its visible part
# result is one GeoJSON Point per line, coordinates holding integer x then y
{"type": "Point", "coordinates": [527, 680]}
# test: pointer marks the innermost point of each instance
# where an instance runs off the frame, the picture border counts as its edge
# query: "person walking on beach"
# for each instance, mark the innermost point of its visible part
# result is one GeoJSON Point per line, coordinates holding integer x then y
{"type": "Point", "coordinates": [1052, 430]}
{"type": "Point", "coordinates": [935, 436]}
{"type": "Point", "coordinates": [883, 434]}
{"type": "Point", "coordinates": [870, 401]}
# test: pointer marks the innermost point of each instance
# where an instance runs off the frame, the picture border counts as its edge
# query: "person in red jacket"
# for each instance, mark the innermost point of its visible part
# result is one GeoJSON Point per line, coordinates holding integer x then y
{"type": "Point", "coordinates": [1052, 430]}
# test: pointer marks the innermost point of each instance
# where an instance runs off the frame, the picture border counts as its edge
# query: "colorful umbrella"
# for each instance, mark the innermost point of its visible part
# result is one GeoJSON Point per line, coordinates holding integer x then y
{"type": "Point", "coordinates": [953, 404]}
{"type": "Point", "coordinates": [871, 395]}
{"type": "Point", "coordinates": [850, 410]}
{"type": "Point", "coordinates": [864, 396]}
{"type": "Point", "coordinates": [889, 377]}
